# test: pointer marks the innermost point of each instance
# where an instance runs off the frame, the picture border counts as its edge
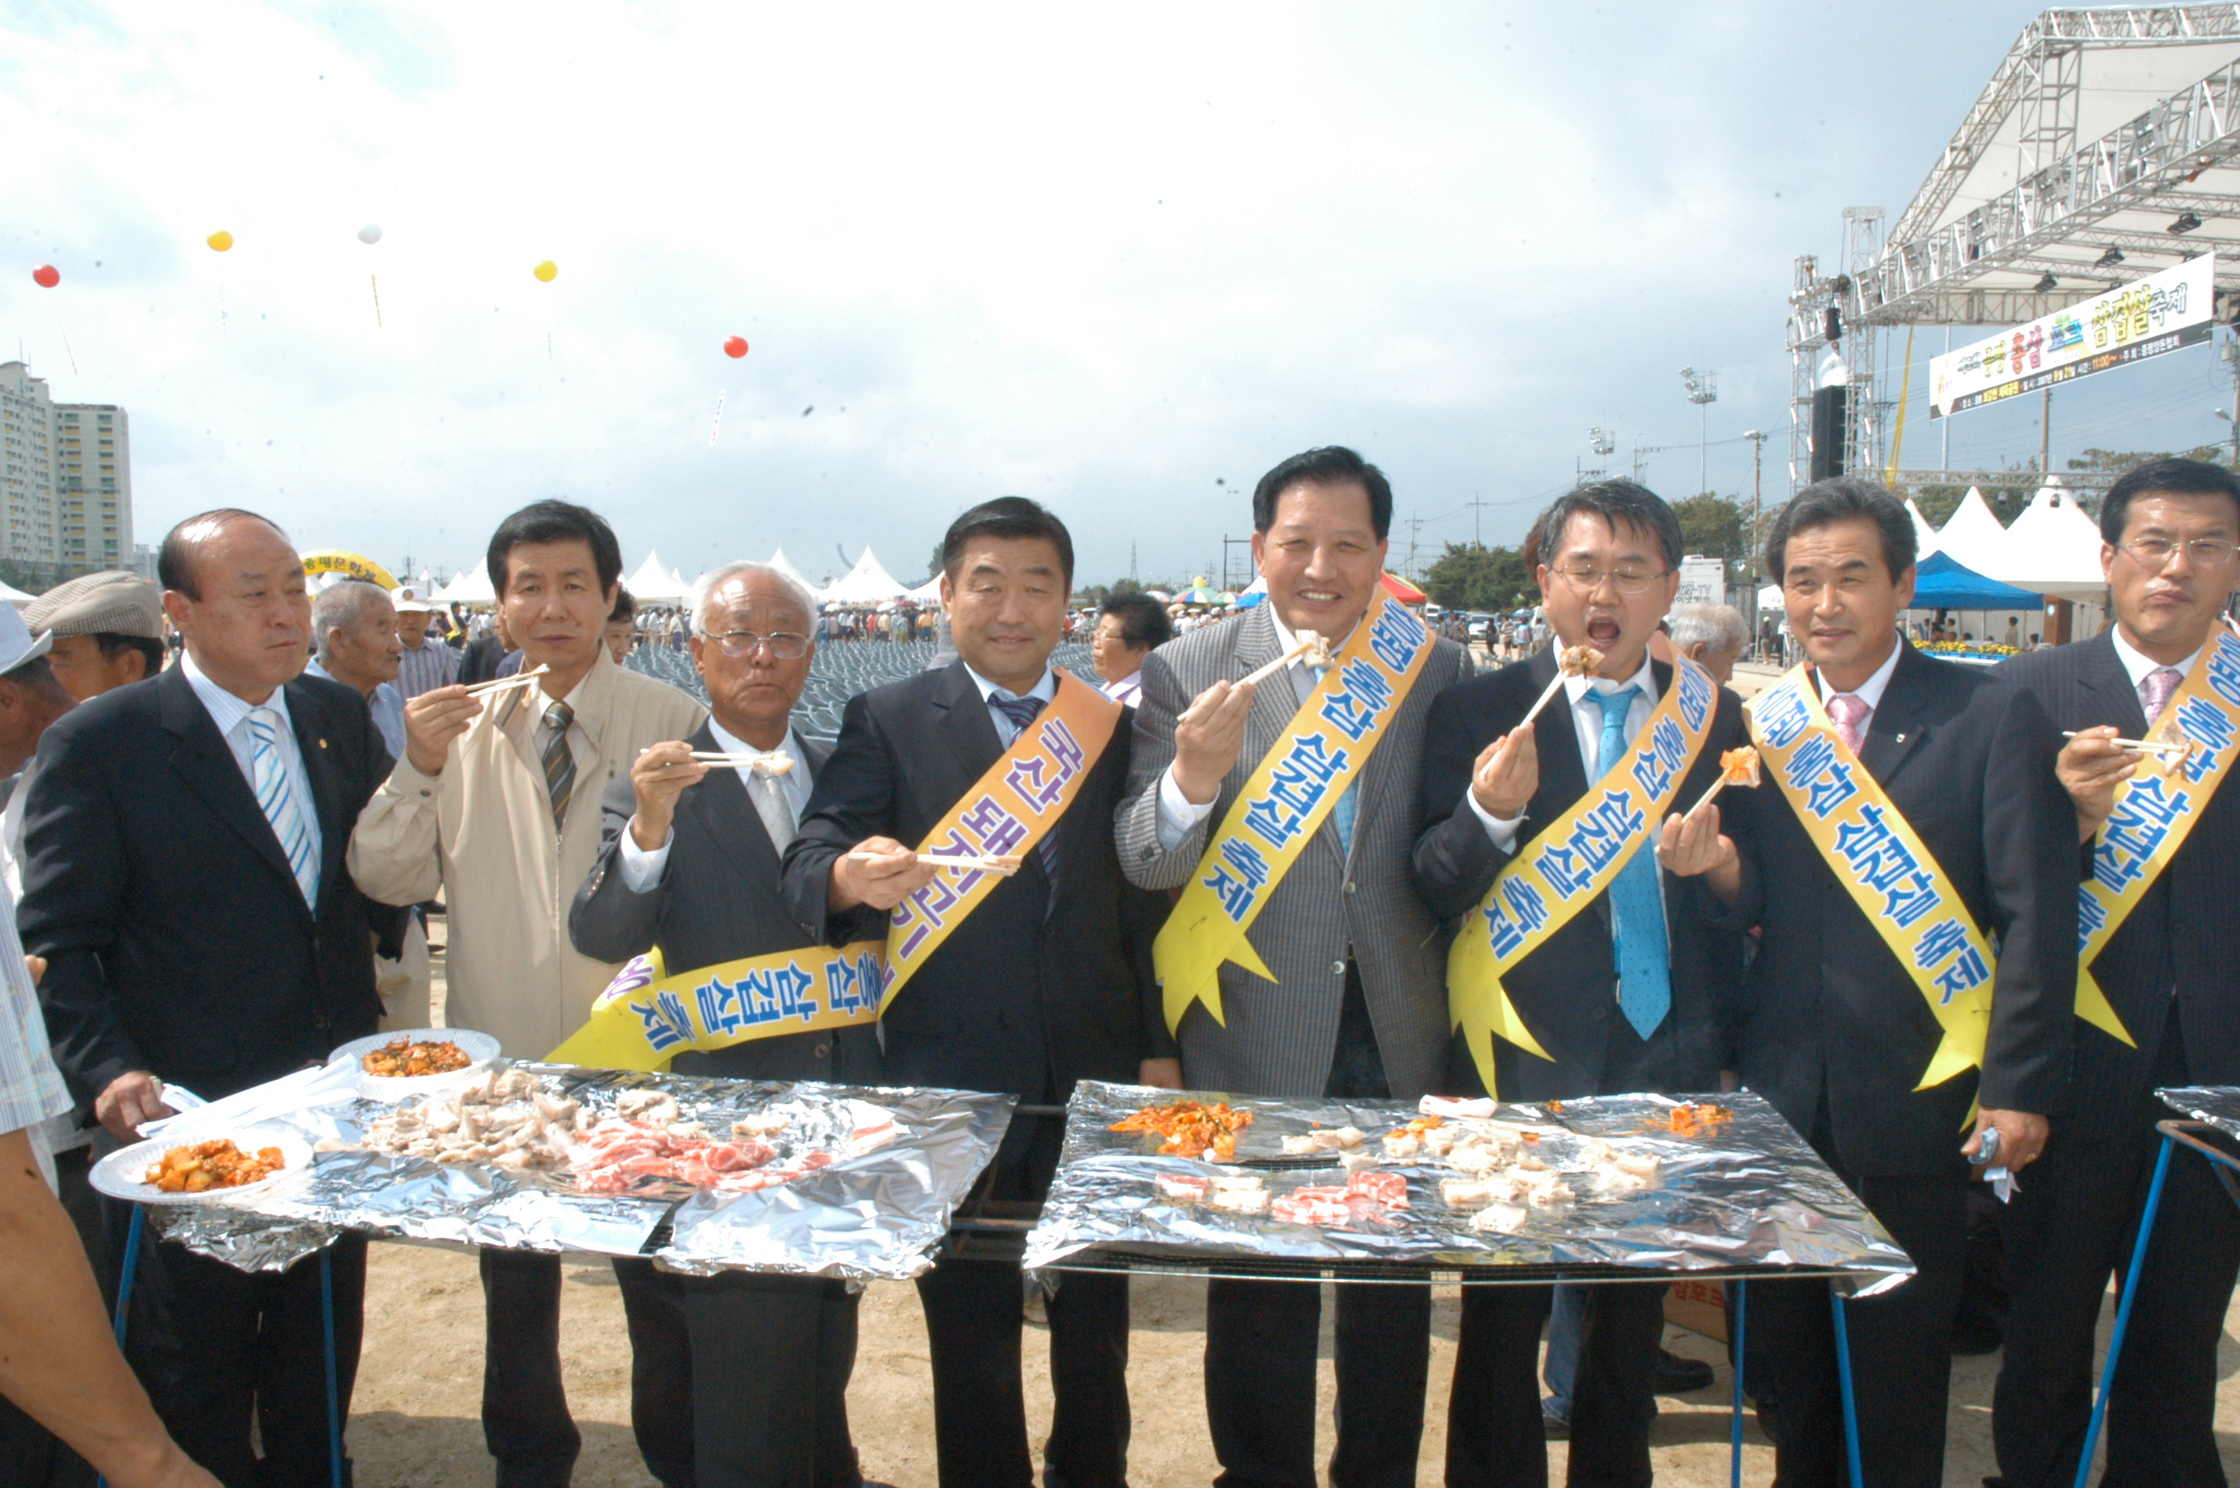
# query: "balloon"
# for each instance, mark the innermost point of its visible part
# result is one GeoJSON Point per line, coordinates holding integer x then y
{"type": "Point", "coordinates": [735, 346]}
{"type": "Point", "coordinates": [370, 233]}
{"type": "Point", "coordinates": [47, 276]}
{"type": "Point", "coordinates": [219, 241]}
{"type": "Point", "coordinates": [546, 271]}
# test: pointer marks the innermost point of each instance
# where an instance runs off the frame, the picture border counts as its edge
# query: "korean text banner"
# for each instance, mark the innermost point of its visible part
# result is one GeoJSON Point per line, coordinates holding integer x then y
{"type": "Point", "coordinates": [2158, 314]}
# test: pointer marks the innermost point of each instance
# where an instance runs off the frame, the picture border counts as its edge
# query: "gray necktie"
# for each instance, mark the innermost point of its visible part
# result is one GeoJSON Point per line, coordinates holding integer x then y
{"type": "Point", "coordinates": [558, 760]}
{"type": "Point", "coordinates": [771, 805]}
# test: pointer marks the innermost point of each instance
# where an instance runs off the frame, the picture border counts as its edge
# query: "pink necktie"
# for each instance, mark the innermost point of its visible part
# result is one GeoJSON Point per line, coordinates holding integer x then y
{"type": "Point", "coordinates": [2155, 689]}
{"type": "Point", "coordinates": [1850, 714]}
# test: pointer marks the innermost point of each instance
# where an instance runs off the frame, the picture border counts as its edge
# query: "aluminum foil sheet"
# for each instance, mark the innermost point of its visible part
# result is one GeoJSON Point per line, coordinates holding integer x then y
{"type": "Point", "coordinates": [1751, 1199]}
{"type": "Point", "coordinates": [877, 1216]}
{"type": "Point", "coordinates": [2219, 1105]}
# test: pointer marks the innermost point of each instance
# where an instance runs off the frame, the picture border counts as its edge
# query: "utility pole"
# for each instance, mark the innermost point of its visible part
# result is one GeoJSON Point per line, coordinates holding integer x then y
{"type": "Point", "coordinates": [1415, 524]}
{"type": "Point", "coordinates": [1757, 438]}
{"type": "Point", "coordinates": [1601, 442]}
{"type": "Point", "coordinates": [1703, 391]}
{"type": "Point", "coordinates": [1477, 519]}
{"type": "Point", "coordinates": [1133, 575]}
{"type": "Point", "coordinates": [1228, 542]}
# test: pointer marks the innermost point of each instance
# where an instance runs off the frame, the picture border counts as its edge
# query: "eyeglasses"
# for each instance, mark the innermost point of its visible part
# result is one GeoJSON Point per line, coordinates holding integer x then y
{"type": "Point", "coordinates": [1587, 578]}
{"type": "Point", "coordinates": [2155, 553]}
{"type": "Point", "coordinates": [740, 644]}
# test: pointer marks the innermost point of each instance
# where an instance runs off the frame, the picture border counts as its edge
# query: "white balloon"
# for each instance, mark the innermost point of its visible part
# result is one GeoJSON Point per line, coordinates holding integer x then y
{"type": "Point", "coordinates": [370, 233]}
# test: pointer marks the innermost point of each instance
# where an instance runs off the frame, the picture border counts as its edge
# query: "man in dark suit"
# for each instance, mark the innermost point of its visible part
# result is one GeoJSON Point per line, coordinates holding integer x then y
{"type": "Point", "coordinates": [689, 866]}
{"type": "Point", "coordinates": [2171, 971]}
{"type": "Point", "coordinates": [1834, 1029]}
{"type": "Point", "coordinates": [1036, 989]}
{"type": "Point", "coordinates": [184, 879]}
{"type": "Point", "coordinates": [1608, 564]}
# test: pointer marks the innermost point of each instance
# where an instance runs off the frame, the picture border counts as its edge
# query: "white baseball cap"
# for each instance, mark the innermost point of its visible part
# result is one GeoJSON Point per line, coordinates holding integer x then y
{"type": "Point", "coordinates": [17, 644]}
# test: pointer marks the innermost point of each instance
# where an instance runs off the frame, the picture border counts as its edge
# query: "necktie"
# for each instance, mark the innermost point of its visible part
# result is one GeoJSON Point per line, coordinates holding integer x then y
{"type": "Point", "coordinates": [1636, 896]}
{"type": "Point", "coordinates": [559, 762]}
{"type": "Point", "coordinates": [771, 805]}
{"type": "Point", "coordinates": [1021, 711]}
{"type": "Point", "coordinates": [2155, 689]}
{"type": "Point", "coordinates": [1849, 712]}
{"type": "Point", "coordinates": [1349, 805]}
{"type": "Point", "coordinates": [277, 798]}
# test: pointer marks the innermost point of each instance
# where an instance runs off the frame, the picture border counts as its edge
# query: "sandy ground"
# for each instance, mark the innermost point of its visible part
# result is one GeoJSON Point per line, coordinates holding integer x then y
{"type": "Point", "coordinates": [416, 1420]}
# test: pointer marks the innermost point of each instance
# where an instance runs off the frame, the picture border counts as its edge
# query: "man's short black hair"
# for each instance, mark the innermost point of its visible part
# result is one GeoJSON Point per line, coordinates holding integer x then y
{"type": "Point", "coordinates": [2164, 478]}
{"type": "Point", "coordinates": [1844, 498]}
{"type": "Point", "coordinates": [552, 522]}
{"type": "Point", "coordinates": [625, 606]}
{"type": "Point", "coordinates": [1332, 465]}
{"type": "Point", "coordinates": [1011, 518]}
{"type": "Point", "coordinates": [1143, 620]}
{"type": "Point", "coordinates": [175, 559]}
{"type": "Point", "coordinates": [1614, 501]}
{"type": "Point", "coordinates": [112, 645]}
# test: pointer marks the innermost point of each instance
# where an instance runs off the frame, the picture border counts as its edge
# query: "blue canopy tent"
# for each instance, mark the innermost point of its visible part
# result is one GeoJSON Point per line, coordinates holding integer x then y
{"type": "Point", "coordinates": [1942, 582]}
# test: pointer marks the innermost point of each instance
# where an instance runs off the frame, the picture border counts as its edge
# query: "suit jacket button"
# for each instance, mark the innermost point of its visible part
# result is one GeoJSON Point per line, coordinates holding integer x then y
{"type": "Point", "coordinates": [1349, 885]}
{"type": "Point", "coordinates": [1337, 968]}
{"type": "Point", "coordinates": [1149, 853]}
{"type": "Point", "coordinates": [824, 1051]}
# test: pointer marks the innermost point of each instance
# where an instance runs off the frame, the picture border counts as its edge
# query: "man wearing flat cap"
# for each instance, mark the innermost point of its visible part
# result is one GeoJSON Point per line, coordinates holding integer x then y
{"type": "Point", "coordinates": [107, 629]}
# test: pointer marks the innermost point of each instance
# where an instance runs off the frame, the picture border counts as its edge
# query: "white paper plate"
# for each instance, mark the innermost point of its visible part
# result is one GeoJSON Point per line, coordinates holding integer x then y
{"type": "Point", "coordinates": [480, 1049]}
{"type": "Point", "coordinates": [118, 1174]}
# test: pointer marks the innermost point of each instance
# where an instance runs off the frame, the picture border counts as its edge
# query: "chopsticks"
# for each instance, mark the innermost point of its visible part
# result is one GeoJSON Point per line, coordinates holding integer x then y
{"type": "Point", "coordinates": [776, 762]}
{"type": "Point", "coordinates": [518, 679]}
{"type": "Point", "coordinates": [2145, 746]}
{"type": "Point", "coordinates": [1311, 647]}
{"type": "Point", "coordinates": [961, 862]}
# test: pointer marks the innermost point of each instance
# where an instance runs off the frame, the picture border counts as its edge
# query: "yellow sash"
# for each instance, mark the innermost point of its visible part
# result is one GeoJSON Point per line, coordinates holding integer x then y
{"type": "Point", "coordinates": [1319, 755]}
{"type": "Point", "coordinates": [1561, 871]}
{"type": "Point", "coordinates": [1883, 865]}
{"type": "Point", "coordinates": [645, 1017]}
{"type": "Point", "coordinates": [2154, 812]}
{"type": "Point", "coordinates": [1008, 810]}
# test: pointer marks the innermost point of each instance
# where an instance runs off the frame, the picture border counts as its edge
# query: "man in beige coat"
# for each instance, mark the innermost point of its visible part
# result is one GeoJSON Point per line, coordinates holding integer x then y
{"type": "Point", "coordinates": [496, 804]}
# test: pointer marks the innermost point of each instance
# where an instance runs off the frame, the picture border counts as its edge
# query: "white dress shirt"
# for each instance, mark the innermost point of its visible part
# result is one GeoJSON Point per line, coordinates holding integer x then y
{"type": "Point", "coordinates": [1870, 691]}
{"type": "Point", "coordinates": [1006, 730]}
{"type": "Point", "coordinates": [231, 715]}
{"type": "Point", "coordinates": [1128, 690]}
{"type": "Point", "coordinates": [1178, 815]}
{"type": "Point", "coordinates": [642, 870]}
{"type": "Point", "coordinates": [2137, 666]}
{"type": "Point", "coordinates": [1586, 726]}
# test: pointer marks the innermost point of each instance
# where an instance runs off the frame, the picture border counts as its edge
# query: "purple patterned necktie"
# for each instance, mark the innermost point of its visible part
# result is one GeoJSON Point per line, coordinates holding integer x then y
{"type": "Point", "coordinates": [1021, 711]}
{"type": "Point", "coordinates": [2155, 689]}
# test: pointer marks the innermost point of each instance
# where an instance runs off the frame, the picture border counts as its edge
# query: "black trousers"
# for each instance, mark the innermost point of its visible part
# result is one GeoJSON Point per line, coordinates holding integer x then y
{"type": "Point", "coordinates": [1495, 1437]}
{"type": "Point", "coordinates": [1261, 1339]}
{"type": "Point", "coordinates": [218, 1348]}
{"type": "Point", "coordinates": [525, 1420]}
{"type": "Point", "coordinates": [1901, 1346]}
{"type": "Point", "coordinates": [2071, 1226]}
{"type": "Point", "coordinates": [740, 1379]}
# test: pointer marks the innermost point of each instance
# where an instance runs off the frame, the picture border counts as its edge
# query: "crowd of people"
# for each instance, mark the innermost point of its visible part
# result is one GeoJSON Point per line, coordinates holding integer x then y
{"type": "Point", "coordinates": [222, 865]}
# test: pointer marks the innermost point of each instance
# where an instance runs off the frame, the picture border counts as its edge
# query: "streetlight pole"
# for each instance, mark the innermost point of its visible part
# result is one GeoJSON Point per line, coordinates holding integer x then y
{"type": "Point", "coordinates": [1703, 391]}
{"type": "Point", "coordinates": [1757, 438]}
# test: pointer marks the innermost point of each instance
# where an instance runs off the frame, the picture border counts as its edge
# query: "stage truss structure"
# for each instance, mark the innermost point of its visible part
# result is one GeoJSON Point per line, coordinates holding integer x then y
{"type": "Point", "coordinates": [2057, 187]}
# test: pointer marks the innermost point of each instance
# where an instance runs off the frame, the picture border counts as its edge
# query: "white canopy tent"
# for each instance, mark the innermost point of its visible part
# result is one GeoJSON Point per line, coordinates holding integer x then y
{"type": "Point", "coordinates": [929, 592]}
{"type": "Point", "coordinates": [866, 583]}
{"type": "Point", "coordinates": [1924, 536]}
{"type": "Point", "coordinates": [1973, 536]}
{"type": "Point", "coordinates": [784, 565]}
{"type": "Point", "coordinates": [2053, 548]}
{"type": "Point", "coordinates": [655, 584]}
{"type": "Point", "coordinates": [471, 588]}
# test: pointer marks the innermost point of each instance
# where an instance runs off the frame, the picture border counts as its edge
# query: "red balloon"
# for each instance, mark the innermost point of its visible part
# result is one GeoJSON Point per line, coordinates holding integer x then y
{"type": "Point", "coordinates": [735, 346]}
{"type": "Point", "coordinates": [47, 276]}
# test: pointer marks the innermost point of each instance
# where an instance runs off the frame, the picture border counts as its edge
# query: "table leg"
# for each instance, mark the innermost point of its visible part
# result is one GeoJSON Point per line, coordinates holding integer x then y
{"type": "Point", "coordinates": [1741, 1341]}
{"type": "Point", "coordinates": [2123, 1310]}
{"type": "Point", "coordinates": [334, 1410]}
{"type": "Point", "coordinates": [124, 1285]}
{"type": "Point", "coordinates": [1850, 1400]}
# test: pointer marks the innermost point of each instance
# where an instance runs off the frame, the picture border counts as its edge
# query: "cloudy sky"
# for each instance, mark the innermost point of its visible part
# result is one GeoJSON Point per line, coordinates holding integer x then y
{"type": "Point", "coordinates": [1111, 259]}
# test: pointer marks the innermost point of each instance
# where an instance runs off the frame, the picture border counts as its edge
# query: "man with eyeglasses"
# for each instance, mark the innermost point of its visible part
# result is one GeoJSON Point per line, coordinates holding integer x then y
{"type": "Point", "coordinates": [738, 1377]}
{"type": "Point", "coordinates": [2168, 965]}
{"type": "Point", "coordinates": [1629, 993]}
{"type": "Point", "coordinates": [1911, 863]}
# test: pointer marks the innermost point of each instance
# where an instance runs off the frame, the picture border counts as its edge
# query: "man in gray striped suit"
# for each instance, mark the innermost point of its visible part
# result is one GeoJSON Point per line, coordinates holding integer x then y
{"type": "Point", "coordinates": [1357, 1007]}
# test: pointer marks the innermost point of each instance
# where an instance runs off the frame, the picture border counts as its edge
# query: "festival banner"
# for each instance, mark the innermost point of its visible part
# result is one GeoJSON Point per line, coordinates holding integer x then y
{"type": "Point", "coordinates": [1009, 810]}
{"type": "Point", "coordinates": [1560, 871]}
{"type": "Point", "coordinates": [1885, 867]}
{"type": "Point", "coordinates": [349, 565]}
{"type": "Point", "coordinates": [1283, 804]}
{"type": "Point", "coordinates": [2154, 811]}
{"type": "Point", "coordinates": [2156, 315]}
{"type": "Point", "coordinates": [646, 1017]}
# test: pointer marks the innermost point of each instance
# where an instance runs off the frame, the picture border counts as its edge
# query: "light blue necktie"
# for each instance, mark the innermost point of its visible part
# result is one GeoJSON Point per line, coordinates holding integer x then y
{"type": "Point", "coordinates": [1342, 814]}
{"type": "Point", "coordinates": [277, 799]}
{"type": "Point", "coordinates": [1636, 897]}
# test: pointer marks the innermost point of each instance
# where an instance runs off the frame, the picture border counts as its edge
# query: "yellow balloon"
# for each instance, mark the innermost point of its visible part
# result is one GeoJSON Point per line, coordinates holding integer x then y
{"type": "Point", "coordinates": [220, 240]}
{"type": "Point", "coordinates": [547, 271]}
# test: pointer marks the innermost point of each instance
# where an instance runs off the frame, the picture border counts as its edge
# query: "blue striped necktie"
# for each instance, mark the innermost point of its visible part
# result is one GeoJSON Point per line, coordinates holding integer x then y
{"type": "Point", "coordinates": [1636, 897]}
{"type": "Point", "coordinates": [277, 798]}
{"type": "Point", "coordinates": [1021, 711]}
